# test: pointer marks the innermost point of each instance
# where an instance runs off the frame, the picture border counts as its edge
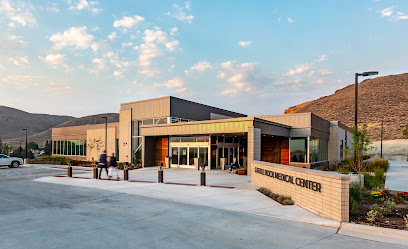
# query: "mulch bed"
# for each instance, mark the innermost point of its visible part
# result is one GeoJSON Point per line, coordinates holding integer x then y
{"type": "Point", "coordinates": [395, 220]}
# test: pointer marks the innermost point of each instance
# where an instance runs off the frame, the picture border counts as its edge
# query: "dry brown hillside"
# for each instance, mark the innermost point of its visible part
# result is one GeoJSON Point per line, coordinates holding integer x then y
{"type": "Point", "coordinates": [43, 136]}
{"type": "Point", "coordinates": [382, 98]}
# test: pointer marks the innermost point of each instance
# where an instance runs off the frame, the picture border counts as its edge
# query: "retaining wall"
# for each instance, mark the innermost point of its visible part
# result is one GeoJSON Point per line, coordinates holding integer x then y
{"type": "Point", "coordinates": [325, 193]}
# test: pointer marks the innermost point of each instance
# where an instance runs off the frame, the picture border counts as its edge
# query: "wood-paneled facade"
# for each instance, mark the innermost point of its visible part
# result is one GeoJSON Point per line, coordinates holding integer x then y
{"type": "Point", "coordinates": [275, 149]}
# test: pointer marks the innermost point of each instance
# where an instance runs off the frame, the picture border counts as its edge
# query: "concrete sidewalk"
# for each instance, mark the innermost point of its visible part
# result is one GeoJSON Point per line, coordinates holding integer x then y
{"type": "Point", "coordinates": [243, 198]}
{"type": "Point", "coordinates": [397, 176]}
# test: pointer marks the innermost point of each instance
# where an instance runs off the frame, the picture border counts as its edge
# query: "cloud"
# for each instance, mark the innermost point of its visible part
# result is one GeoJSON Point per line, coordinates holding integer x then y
{"type": "Point", "coordinates": [11, 43]}
{"type": "Point", "coordinates": [112, 36]}
{"type": "Point", "coordinates": [297, 70]}
{"type": "Point", "coordinates": [244, 43]}
{"type": "Point", "coordinates": [173, 31]}
{"type": "Point", "coordinates": [200, 67]}
{"type": "Point", "coordinates": [322, 58]}
{"type": "Point", "coordinates": [85, 5]}
{"type": "Point", "coordinates": [386, 11]}
{"type": "Point", "coordinates": [19, 61]}
{"type": "Point", "coordinates": [75, 37]}
{"type": "Point", "coordinates": [323, 72]}
{"type": "Point", "coordinates": [245, 78]}
{"type": "Point", "coordinates": [53, 60]}
{"type": "Point", "coordinates": [179, 12]}
{"type": "Point", "coordinates": [175, 82]}
{"type": "Point", "coordinates": [290, 20]}
{"type": "Point", "coordinates": [128, 22]}
{"type": "Point", "coordinates": [99, 65]}
{"type": "Point", "coordinates": [23, 82]}
{"type": "Point", "coordinates": [149, 51]}
{"type": "Point", "coordinates": [127, 44]}
{"type": "Point", "coordinates": [18, 13]}
{"type": "Point", "coordinates": [389, 12]}
{"type": "Point", "coordinates": [118, 74]}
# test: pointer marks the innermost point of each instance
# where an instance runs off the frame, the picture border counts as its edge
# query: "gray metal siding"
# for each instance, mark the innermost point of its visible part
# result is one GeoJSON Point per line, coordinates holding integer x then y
{"type": "Point", "coordinates": [190, 110]}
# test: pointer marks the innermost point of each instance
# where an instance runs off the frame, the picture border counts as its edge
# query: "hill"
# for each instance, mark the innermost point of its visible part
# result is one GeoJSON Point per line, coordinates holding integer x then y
{"type": "Point", "coordinates": [41, 137]}
{"type": "Point", "coordinates": [13, 120]}
{"type": "Point", "coordinates": [382, 98]}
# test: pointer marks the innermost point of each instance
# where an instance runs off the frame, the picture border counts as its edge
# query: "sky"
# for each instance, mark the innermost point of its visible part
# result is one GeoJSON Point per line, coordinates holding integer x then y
{"type": "Point", "coordinates": [80, 57]}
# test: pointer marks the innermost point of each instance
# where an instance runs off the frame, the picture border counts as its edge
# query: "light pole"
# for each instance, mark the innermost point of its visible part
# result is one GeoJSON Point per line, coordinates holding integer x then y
{"type": "Point", "coordinates": [26, 149]}
{"type": "Point", "coordinates": [382, 128]}
{"type": "Point", "coordinates": [19, 149]}
{"type": "Point", "coordinates": [356, 91]}
{"type": "Point", "coordinates": [106, 132]}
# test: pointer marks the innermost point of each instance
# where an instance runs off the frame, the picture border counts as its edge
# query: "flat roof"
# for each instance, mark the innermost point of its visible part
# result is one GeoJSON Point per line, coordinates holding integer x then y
{"type": "Point", "coordinates": [170, 97]}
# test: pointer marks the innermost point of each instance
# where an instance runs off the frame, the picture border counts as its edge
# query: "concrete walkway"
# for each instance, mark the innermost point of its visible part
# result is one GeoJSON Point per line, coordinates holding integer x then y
{"type": "Point", "coordinates": [230, 193]}
{"type": "Point", "coordinates": [397, 176]}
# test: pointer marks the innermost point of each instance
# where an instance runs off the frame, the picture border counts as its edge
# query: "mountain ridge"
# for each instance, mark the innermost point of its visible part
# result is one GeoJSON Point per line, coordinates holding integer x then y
{"type": "Point", "coordinates": [382, 98]}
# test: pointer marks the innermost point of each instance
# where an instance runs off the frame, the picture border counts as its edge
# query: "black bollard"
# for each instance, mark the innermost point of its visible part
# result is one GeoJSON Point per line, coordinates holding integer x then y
{"type": "Point", "coordinates": [69, 169]}
{"type": "Point", "coordinates": [160, 175]}
{"type": "Point", "coordinates": [126, 172]}
{"type": "Point", "coordinates": [95, 172]}
{"type": "Point", "coordinates": [202, 175]}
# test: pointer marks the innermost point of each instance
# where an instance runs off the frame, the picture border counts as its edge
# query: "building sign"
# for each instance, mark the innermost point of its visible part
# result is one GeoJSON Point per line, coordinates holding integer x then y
{"type": "Point", "coordinates": [315, 186]}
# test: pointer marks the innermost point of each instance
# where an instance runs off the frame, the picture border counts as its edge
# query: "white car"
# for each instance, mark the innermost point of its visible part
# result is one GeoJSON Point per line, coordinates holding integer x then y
{"type": "Point", "coordinates": [11, 162]}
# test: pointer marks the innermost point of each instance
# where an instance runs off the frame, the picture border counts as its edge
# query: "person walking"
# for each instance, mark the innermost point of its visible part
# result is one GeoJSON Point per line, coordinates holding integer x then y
{"type": "Point", "coordinates": [103, 164]}
{"type": "Point", "coordinates": [113, 166]}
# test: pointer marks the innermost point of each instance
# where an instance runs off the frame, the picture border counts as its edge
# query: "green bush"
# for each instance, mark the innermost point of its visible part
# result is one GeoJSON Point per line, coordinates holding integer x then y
{"type": "Point", "coordinates": [376, 180]}
{"type": "Point", "coordinates": [355, 197]}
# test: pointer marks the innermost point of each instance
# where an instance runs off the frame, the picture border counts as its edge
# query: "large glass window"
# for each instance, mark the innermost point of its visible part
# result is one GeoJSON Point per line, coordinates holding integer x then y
{"type": "Point", "coordinates": [298, 150]}
{"type": "Point", "coordinates": [318, 149]}
{"type": "Point", "coordinates": [70, 148]}
{"type": "Point", "coordinates": [137, 149]}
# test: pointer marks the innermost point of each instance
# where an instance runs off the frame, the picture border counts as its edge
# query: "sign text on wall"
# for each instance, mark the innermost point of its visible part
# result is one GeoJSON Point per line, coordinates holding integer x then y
{"type": "Point", "coordinates": [315, 186]}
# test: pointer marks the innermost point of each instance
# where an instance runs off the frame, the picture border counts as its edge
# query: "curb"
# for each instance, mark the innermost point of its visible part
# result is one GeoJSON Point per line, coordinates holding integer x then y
{"type": "Point", "coordinates": [380, 234]}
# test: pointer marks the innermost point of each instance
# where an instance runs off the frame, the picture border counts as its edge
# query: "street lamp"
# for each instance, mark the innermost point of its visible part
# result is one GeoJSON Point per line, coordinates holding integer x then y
{"type": "Point", "coordinates": [26, 149]}
{"type": "Point", "coordinates": [106, 132]}
{"type": "Point", "coordinates": [356, 91]}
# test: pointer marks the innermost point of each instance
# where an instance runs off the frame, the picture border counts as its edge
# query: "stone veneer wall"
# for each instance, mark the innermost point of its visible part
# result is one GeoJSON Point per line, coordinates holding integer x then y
{"type": "Point", "coordinates": [331, 202]}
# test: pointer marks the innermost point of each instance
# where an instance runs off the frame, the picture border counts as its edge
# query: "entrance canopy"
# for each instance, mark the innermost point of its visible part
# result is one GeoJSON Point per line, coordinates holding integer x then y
{"type": "Point", "coordinates": [222, 126]}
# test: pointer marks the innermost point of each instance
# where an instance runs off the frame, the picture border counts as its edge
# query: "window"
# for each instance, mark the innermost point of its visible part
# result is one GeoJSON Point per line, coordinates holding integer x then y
{"type": "Point", "coordinates": [70, 148]}
{"type": "Point", "coordinates": [298, 150]}
{"type": "Point", "coordinates": [137, 149]}
{"type": "Point", "coordinates": [160, 120]}
{"type": "Point", "coordinates": [188, 139]}
{"type": "Point", "coordinates": [175, 139]}
{"type": "Point", "coordinates": [318, 149]}
{"type": "Point", "coordinates": [148, 121]}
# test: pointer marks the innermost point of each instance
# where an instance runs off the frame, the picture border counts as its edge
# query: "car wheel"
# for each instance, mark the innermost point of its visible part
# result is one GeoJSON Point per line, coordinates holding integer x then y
{"type": "Point", "coordinates": [15, 164]}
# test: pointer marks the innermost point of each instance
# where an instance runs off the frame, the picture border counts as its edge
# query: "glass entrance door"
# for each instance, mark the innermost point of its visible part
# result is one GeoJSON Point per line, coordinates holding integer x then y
{"type": "Point", "coordinates": [183, 156]}
{"type": "Point", "coordinates": [192, 153]}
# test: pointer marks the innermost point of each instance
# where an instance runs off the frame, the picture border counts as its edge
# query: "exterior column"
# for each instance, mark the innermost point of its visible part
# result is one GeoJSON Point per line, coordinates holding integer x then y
{"type": "Point", "coordinates": [254, 146]}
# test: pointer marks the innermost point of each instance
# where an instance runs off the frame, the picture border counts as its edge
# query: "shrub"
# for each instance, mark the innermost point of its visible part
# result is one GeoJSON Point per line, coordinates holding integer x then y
{"type": "Point", "coordinates": [388, 205]}
{"type": "Point", "coordinates": [284, 200]}
{"type": "Point", "coordinates": [356, 193]}
{"type": "Point", "coordinates": [374, 213]}
{"type": "Point", "coordinates": [379, 162]}
{"type": "Point", "coordinates": [376, 180]}
{"type": "Point", "coordinates": [406, 220]}
{"type": "Point", "coordinates": [353, 205]}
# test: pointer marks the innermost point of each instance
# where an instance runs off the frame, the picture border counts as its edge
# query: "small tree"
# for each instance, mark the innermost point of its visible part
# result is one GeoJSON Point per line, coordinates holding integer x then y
{"type": "Point", "coordinates": [48, 148]}
{"type": "Point", "coordinates": [5, 148]}
{"type": "Point", "coordinates": [404, 132]}
{"type": "Point", "coordinates": [32, 146]}
{"type": "Point", "coordinates": [360, 148]}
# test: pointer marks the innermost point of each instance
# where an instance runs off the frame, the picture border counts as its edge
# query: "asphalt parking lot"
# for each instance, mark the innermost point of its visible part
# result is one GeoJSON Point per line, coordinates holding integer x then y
{"type": "Point", "coordinates": [41, 214]}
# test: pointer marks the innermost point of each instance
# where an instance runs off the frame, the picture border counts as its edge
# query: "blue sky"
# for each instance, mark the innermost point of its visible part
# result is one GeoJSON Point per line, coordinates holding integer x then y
{"type": "Point", "coordinates": [255, 57]}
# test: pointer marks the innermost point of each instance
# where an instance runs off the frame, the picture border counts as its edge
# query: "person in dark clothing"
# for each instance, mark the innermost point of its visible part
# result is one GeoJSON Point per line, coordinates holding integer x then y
{"type": "Point", "coordinates": [103, 164]}
{"type": "Point", "coordinates": [233, 166]}
{"type": "Point", "coordinates": [113, 166]}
